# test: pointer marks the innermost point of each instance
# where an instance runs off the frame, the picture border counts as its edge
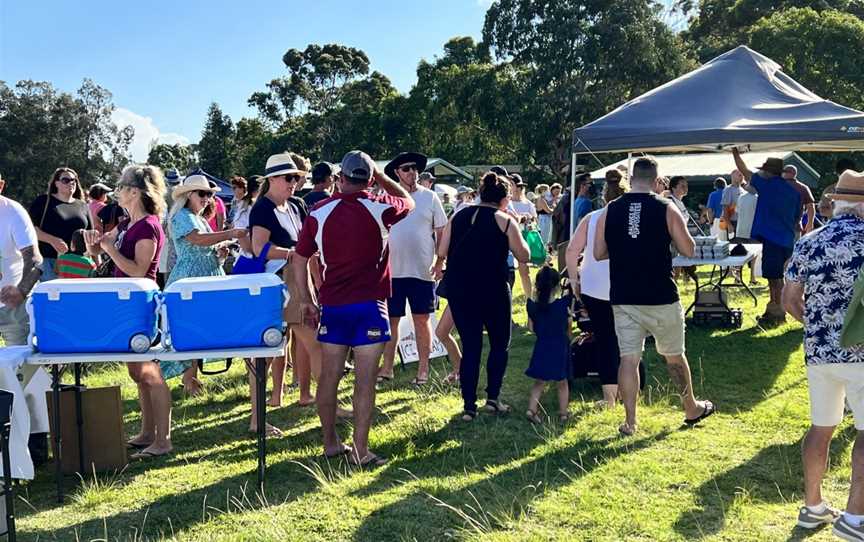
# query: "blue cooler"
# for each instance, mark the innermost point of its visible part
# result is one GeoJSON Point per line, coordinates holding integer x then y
{"type": "Point", "coordinates": [234, 311]}
{"type": "Point", "coordinates": [102, 315]}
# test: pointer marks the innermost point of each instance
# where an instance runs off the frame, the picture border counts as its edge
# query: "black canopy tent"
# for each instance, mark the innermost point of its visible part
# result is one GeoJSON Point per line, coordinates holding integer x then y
{"type": "Point", "coordinates": [741, 98]}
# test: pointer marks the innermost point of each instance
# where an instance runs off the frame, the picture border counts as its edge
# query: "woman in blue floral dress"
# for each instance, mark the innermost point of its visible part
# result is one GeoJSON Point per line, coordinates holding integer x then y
{"type": "Point", "coordinates": [196, 247]}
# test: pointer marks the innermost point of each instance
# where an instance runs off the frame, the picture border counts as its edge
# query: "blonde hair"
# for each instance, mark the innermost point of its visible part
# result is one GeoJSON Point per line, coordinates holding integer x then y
{"type": "Point", "coordinates": [541, 189]}
{"type": "Point", "coordinates": [300, 161]}
{"type": "Point", "coordinates": [150, 182]}
{"type": "Point", "coordinates": [844, 207]}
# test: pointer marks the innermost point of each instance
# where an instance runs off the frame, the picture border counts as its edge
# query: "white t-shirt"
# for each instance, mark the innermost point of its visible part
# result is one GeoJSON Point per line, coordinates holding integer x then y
{"type": "Point", "coordinates": [525, 208]}
{"type": "Point", "coordinates": [412, 241]}
{"type": "Point", "coordinates": [746, 214]}
{"type": "Point", "coordinates": [17, 232]}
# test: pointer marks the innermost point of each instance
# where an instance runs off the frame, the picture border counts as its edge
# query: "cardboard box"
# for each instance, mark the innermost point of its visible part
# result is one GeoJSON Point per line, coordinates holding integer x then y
{"type": "Point", "coordinates": [104, 439]}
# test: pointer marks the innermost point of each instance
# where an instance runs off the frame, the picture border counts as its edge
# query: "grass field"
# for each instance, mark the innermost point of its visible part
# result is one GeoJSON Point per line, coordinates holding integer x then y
{"type": "Point", "coordinates": [736, 477]}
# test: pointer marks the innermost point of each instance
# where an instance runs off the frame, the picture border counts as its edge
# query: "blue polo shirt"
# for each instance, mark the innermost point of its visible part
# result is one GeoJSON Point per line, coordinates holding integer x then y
{"type": "Point", "coordinates": [582, 206]}
{"type": "Point", "coordinates": [714, 202]}
{"type": "Point", "coordinates": [777, 211]}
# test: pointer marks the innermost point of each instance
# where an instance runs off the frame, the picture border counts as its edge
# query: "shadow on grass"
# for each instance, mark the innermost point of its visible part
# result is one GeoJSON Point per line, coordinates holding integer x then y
{"type": "Point", "coordinates": [769, 476]}
{"type": "Point", "coordinates": [495, 503]}
{"type": "Point", "coordinates": [739, 370]}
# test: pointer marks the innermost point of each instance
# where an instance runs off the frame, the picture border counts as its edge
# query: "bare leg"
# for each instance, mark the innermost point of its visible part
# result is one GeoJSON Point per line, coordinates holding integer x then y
{"type": "Point", "coordinates": [679, 372]}
{"type": "Point", "coordinates": [856, 491]}
{"type": "Point", "coordinates": [563, 398]}
{"type": "Point", "coordinates": [534, 395]}
{"type": "Point", "coordinates": [160, 401]}
{"type": "Point", "coordinates": [610, 393]}
{"type": "Point", "coordinates": [332, 367]}
{"type": "Point", "coordinates": [423, 336]}
{"type": "Point", "coordinates": [147, 434]}
{"type": "Point", "coordinates": [525, 279]}
{"type": "Point", "coordinates": [253, 396]}
{"type": "Point", "coordinates": [365, 370]}
{"type": "Point", "coordinates": [628, 385]}
{"type": "Point", "coordinates": [814, 456]}
{"type": "Point", "coordinates": [302, 367]}
{"type": "Point", "coordinates": [390, 349]}
{"type": "Point", "coordinates": [191, 384]}
{"type": "Point", "coordinates": [442, 331]}
{"type": "Point", "coordinates": [277, 371]}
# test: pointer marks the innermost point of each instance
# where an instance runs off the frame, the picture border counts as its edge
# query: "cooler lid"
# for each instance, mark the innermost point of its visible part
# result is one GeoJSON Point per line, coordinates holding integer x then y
{"type": "Point", "coordinates": [123, 286]}
{"type": "Point", "coordinates": [253, 282]}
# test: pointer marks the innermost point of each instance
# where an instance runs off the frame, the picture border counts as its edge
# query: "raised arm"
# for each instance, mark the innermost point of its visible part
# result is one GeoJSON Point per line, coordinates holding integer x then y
{"type": "Point", "coordinates": [393, 188]}
{"type": "Point", "coordinates": [684, 243]}
{"type": "Point", "coordinates": [739, 163]}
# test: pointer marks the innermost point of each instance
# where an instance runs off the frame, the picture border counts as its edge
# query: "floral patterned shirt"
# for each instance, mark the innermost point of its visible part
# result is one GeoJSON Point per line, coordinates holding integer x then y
{"type": "Point", "coordinates": [827, 262]}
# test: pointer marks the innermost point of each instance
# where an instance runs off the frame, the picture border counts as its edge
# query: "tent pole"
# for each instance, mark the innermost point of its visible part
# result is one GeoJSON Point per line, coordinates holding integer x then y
{"type": "Point", "coordinates": [572, 191]}
{"type": "Point", "coordinates": [629, 164]}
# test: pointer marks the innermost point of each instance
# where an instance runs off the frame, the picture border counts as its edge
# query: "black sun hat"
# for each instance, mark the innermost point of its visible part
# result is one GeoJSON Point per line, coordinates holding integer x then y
{"type": "Point", "coordinates": [405, 158]}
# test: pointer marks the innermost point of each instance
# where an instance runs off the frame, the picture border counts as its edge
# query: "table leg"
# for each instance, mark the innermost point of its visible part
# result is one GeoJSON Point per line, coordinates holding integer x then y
{"type": "Point", "coordinates": [58, 454]}
{"type": "Point", "coordinates": [260, 406]}
{"type": "Point", "coordinates": [9, 489]}
{"type": "Point", "coordinates": [79, 419]}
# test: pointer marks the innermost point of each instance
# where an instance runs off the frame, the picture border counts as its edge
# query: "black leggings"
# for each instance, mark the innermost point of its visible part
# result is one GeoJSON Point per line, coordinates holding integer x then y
{"type": "Point", "coordinates": [605, 341]}
{"type": "Point", "coordinates": [490, 310]}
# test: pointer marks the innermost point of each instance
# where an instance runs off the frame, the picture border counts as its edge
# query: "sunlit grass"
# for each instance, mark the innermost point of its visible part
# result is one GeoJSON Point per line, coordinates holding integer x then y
{"type": "Point", "coordinates": [736, 477]}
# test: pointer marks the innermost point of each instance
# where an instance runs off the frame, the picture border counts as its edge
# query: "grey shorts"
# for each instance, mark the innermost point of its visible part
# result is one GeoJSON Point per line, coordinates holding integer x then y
{"type": "Point", "coordinates": [14, 325]}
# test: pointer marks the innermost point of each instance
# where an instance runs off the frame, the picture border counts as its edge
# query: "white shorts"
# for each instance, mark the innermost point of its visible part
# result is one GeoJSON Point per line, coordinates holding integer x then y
{"type": "Point", "coordinates": [829, 385]}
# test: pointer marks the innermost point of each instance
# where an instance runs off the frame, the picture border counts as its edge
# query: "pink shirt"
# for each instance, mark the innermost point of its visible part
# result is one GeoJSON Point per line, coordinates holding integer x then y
{"type": "Point", "coordinates": [220, 210]}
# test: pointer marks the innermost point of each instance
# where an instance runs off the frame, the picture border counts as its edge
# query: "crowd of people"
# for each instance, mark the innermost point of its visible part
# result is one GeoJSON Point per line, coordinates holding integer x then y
{"type": "Point", "coordinates": [365, 248]}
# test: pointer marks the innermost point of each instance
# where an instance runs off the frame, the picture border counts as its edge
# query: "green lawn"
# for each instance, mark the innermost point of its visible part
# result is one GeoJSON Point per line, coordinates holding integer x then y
{"type": "Point", "coordinates": [736, 477]}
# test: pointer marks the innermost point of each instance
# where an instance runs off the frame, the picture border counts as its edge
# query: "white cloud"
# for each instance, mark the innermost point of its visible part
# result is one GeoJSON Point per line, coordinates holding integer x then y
{"type": "Point", "coordinates": [146, 132]}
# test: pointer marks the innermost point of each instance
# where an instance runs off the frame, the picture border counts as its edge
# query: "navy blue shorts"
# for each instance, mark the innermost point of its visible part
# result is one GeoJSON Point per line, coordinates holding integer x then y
{"type": "Point", "coordinates": [357, 324]}
{"type": "Point", "coordinates": [774, 258]}
{"type": "Point", "coordinates": [420, 294]}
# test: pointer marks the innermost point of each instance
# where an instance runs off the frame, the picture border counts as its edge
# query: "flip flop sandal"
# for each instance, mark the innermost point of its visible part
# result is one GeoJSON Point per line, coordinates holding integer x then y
{"type": "Point", "coordinates": [450, 379]}
{"type": "Point", "coordinates": [370, 461]}
{"type": "Point", "coordinates": [144, 454]}
{"type": "Point", "coordinates": [383, 378]}
{"type": "Point", "coordinates": [627, 430]}
{"type": "Point", "coordinates": [496, 407]}
{"type": "Point", "coordinates": [533, 417]}
{"type": "Point", "coordinates": [136, 445]}
{"type": "Point", "coordinates": [469, 415]}
{"type": "Point", "coordinates": [419, 382]}
{"type": "Point", "coordinates": [709, 410]}
{"type": "Point", "coordinates": [345, 451]}
{"type": "Point", "coordinates": [564, 418]}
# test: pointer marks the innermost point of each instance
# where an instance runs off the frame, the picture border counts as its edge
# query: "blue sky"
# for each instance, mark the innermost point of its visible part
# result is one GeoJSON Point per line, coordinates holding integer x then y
{"type": "Point", "coordinates": [166, 61]}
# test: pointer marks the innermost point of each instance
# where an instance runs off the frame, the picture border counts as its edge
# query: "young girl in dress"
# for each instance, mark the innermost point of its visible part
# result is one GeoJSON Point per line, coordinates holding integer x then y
{"type": "Point", "coordinates": [549, 319]}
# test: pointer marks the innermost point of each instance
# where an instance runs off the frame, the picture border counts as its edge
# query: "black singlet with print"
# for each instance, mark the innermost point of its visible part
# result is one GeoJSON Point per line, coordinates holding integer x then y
{"type": "Point", "coordinates": [640, 259]}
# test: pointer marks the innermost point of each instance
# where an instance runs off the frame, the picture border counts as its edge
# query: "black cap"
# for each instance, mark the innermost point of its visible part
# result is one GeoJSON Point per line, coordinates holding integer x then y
{"type": "Point", "coordinates": [321, 171]}
{"type": "Point", "coordinates": [253, 184]}
{"type": "Point", "coordinates": [517, 180]}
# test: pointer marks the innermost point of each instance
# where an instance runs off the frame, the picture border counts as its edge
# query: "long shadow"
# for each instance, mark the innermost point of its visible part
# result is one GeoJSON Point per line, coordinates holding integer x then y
{"type": "Point", "coordinates": [743, 374]}
{"type": "Point", "coordinates": [769, 477]}
{"type": "Point", "coordinates": [484, 507]}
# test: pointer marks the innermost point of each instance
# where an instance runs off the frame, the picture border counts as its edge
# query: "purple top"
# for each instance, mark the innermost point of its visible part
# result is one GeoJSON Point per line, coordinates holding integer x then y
{"type": "Point", "coordinates": [147, 228]}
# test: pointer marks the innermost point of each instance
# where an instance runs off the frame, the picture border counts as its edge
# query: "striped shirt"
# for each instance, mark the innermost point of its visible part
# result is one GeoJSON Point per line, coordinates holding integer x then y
{"type": "Point", "coordinates": [73, 266]}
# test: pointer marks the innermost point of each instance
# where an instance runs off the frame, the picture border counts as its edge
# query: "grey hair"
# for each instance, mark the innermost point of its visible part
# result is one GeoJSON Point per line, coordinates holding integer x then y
{"type": "Point", "coordinates": [179, 203]}
{"type": "Point", "coordinates": [844, 207]}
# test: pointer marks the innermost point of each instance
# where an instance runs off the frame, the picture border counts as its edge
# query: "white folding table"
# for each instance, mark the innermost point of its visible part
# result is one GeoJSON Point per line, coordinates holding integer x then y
{"type": "Point", "coordinates": [156, 353]}
{"type": "Point", "coordinates": [723, 267]}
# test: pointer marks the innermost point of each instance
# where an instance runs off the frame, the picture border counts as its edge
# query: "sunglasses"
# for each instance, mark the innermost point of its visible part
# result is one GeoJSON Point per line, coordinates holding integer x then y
{"type": "Point", "coordinates": [204, 194]}
{"type": "Point", "coordinates": [408, 167]}
{"type": "Point", "coordinates": [68, 180]}
{"type": "Point", "coordinates": [291, 178]}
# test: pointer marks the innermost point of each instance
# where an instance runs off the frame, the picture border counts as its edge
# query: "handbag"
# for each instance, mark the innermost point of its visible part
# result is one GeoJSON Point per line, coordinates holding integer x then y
{"type": "Point", "coordinates": [256, 264]}
{"type": "Point", "coordinates": [535, 245]}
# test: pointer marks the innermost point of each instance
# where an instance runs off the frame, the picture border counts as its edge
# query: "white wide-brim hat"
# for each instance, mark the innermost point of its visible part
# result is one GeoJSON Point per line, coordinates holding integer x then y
{"type": "Point", "coordinates": [281, 164]}
{"type": "Point", "coordinates": [193, 183]}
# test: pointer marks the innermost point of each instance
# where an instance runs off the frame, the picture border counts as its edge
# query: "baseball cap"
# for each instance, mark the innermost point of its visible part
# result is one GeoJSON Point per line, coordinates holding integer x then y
{"type": "Point", "coordinates": [426, 176]}
{"type": "Point", "coordinates": [358, 165]}
{"type": "Point", "coordinates": [322, 170]}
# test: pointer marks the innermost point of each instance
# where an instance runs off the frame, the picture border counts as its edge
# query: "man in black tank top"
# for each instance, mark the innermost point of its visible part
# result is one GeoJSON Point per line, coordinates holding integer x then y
{"type": "Point", "coordinates": [635, 234]}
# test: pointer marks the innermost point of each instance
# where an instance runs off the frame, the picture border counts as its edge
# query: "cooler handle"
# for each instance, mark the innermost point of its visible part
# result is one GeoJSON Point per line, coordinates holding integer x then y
{"type": "Point", "coordinates": [30, 335]}
{"type": "Point", "coordinates": [286, 295]}
{"type": "Point", "coordinates": [162, 310]}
